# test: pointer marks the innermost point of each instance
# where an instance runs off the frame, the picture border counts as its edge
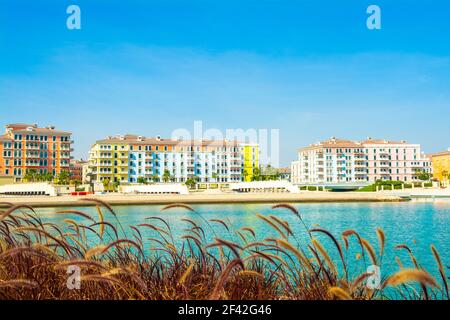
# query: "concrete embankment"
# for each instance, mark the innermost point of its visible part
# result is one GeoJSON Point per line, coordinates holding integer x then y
{"type": "Point", "coordinates": [202, 198]}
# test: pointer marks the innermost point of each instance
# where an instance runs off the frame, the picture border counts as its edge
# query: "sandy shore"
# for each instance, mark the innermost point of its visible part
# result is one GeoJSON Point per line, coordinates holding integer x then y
{"type": "Point", "coordinates": [120, 199]}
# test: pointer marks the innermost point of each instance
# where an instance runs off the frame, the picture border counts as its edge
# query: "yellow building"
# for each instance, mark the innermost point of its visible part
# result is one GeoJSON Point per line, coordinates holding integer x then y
{"type": "Point", "coordinates": [441, 167]}
{"type": "Point", "coordinates": [109, 160]}
{"type": "Point", "coordinates": [251, 160]}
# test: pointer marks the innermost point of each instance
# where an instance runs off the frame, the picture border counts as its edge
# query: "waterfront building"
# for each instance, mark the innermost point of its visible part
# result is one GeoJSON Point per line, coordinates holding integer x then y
{"type": "Point", "coordinates": [134, 159]}
{"type": "Point", "coordinates": [345, 161]}
{"type": "Point", "coordinates": [441, 167]}
{"type": "Point", "coordinates": [26, 147]}
{"type": "Point", "coordinates": [76, 170]}
{"type": "Point", "coordinates": [251, 160]}
{"type": "Point", "coordinates": [285, 174]}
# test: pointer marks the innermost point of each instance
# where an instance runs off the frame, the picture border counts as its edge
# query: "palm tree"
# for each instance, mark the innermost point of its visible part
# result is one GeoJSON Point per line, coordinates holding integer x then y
{"type": "Point", "coordinates": [155, 178]}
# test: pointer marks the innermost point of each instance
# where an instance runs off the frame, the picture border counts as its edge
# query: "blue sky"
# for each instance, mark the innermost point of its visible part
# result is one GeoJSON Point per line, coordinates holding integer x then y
{"type": "Point", "coordinates": [309, 68]}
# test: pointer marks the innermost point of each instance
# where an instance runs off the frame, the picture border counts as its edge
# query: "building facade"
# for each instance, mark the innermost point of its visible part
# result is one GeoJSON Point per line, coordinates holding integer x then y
{"type": "Point", "coordinates": [76, 170]}
{"type": "Point", "coordinates": [134, 159]}
{"type": "Point", "coordinates": [26, 147]}
{"type": "Point", "coordinates": [441, 167]}
{"type": "Point", "coordinates": [345, 161]}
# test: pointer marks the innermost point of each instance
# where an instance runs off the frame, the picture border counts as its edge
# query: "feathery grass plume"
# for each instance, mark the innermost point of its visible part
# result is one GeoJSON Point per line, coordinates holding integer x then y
{"type": "Point", "coordinates": [410, 275]}
{"type": "Point", "coordinates": [186, 273]}
{"type": "Point", "coordinates": [19, 283]}
{"type": "Point", "coordinates": [251, 273]}
{"type": "Point", "coordinates": [441, 268]}
{"type": "Point", "coordinates": [370, 250]}
{"type": "Point", "coordinates": [339, 293]}
{"type": "Point", "coordinates": [74, 224]}
{"type": "Point", "coordinates": [100, 278]}
{"type": "Point", "coordinates": [283, 224]}
{"type": "Point", "coordinates": [359, 280]}
{"type": "Point", "coordinates": [350, 232]}
{"type": "Point", "coordinates": [411, 255]}
{"type": "Point", "coordinates": [63, 244]}
{"type": "Point", "coordinates": [345, 239]}
{"type": "Point", "coordinates": [382, 241]}
{"type": "Point", "coordinates": [221, 222]}
{"type": "Point", "coordinates": [230, 245]}
{"type": "Point", "coordinates": [399, 262]}
{"type": "Point", "coordinates": [248, 229]}
{"type": "Point", "coordinates": [151, 226]}
{"type": "Point", "coordinates": [127, 272]}
{"type": "Point", "coordinates": [101, 219]}
{"type": "Point", "coordinates": [324, 254]}
{"type": "Point", "coordinates": [127, 242]}
{"type": "Point", "coordinates": [337, 245]}
{"type": "Point", "coordinates": [15, 208]}
{"type": "Point", "coordinates": [29, 251]}
{"type": "Point", "coordinates": [76, 212]}
{"type": "Point", "coordinates": [224, 277]}
{"type": "Point", "coordinates": [93, 251]}
{"type": "Point", "coordinates": [178, 205]}
{"type": "Point", "coordinates": [273, 225]}
{"type": "Point", "coordinates": [80, 263]}
{"type": "Point", "coordinates": [299, 255]}
{"type": "Point", "coordinates": [102, 203]}
{"type": "Point", "coordinates": [293, 210]}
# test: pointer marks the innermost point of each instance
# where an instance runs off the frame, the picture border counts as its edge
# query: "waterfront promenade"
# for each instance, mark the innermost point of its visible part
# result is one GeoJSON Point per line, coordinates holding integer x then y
{"type": "Point", "coordinates": [201, 198]}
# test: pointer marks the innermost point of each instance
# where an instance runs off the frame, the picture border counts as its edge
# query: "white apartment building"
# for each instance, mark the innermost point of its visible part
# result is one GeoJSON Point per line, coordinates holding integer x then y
{"type": "Point", "coordinates": [131, 159]}
{"type": "Point", "coordinates": [344, 161]}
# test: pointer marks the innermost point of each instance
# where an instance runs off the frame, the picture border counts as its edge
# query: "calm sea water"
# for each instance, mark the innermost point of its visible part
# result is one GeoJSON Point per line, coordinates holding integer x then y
{"type": "Point", "coordinates": [416, 224]}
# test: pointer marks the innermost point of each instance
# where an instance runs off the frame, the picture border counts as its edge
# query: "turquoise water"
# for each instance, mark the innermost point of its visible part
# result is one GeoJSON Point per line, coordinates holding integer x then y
{"type": "Point", "coordinates": [416, 224]}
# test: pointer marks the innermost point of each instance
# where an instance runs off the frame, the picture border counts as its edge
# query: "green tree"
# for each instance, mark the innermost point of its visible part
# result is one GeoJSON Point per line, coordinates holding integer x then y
{"type": "Point", "coordinates": [166, 176]}
{"type": "Point", "coordinates": [215, 176]}
{"type": "Point", "coordinates": [141, 180]}
{"type": "Point", "coordinates": [423, 176]}
{"type": "Point", "coordinates": [30, 175]}
{"type": "Point", "coordinates": [245, 175]}
{"type": "Point", "coordinates": [64, 177]}
{"type": "Point", "coordinates": [256, 174]}
{"type": "Point", "coordinates": [191, 182]}
{"type": "Point", "coordinates": [155, 178]}
{"type": "Point", "coordinates": [106, 183]}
